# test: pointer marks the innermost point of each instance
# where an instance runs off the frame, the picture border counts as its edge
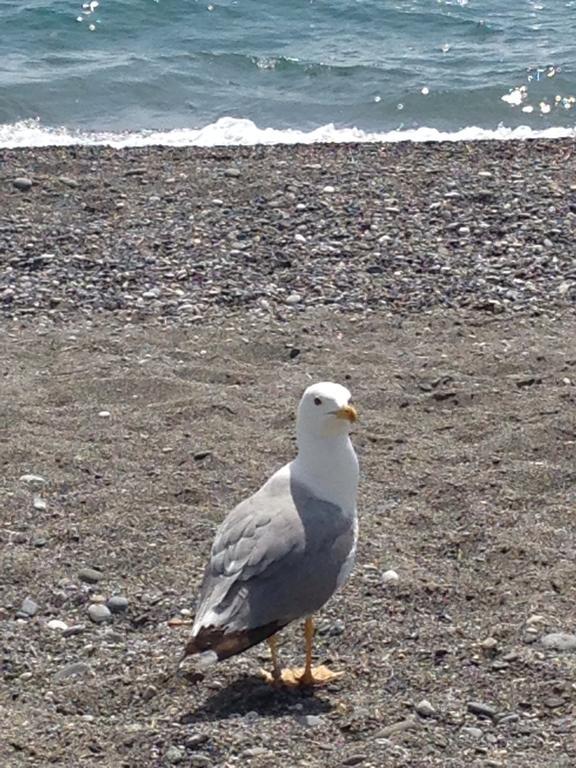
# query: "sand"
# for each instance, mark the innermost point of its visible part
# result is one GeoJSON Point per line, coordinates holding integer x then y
{"type": "Point", "coordinates": [148, 422]}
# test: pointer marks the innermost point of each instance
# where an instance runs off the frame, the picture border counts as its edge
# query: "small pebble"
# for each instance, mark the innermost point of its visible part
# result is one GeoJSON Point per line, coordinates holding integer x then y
{"type": "Point", "coordinates": [553, 702]}
{"type": "Point", "coordinates": [68, 182]}
{"type": "Point", "coordinates": [97, 598]}
{"type": "Point", "coordinates": [77, 669]}
{"type": "Point", "coordinates": [75, 629]}
{"type": "Point", "coordinates": [118, 604]}
{"type": "Point", "coordinates": [390, 577]}
{"type": "Point", "coordinates": [175, 755]}
{"type": "Point", "coordinates": [354, 759]}
{"type": "Point", "coordinates": [57, 624]}
{"type": "Point", "coordinates": [32, 479]}
{"type": "Point", "coordinates": [23, 184]}
{"type": "Point", "coordinates": [473, 733]}
{"type": "Point", "coordinates": [90, 575]}
{"type": "Point", "coordinates": [198, 761]}
{"type": "Point", "coordinates": [99, 613]}
{"type": "Point", "coordinates": [425, 709]}
{"type": "Point", "coordinates": [29, 607]}
{"type": "Point", "coordinates": [559, 641]}
{"type": "Point", "coordinates": [510, 717]}
{"type": "Point", "coordinates": [232, 173]}
{"type": "Point", "coordinates": [310, 721]}
{"type": "Point", "coordinates": [480, 709]}
{"type": "Point", "coordinates": [396, 728]}
{"type": "Point", "coordinates": [329, 189]}
{"type": "Point", "coordinates": [39, 504]}
{"type": "Point", "coordinates": [104, 414]}
{"type": "Point", "coordinates": [489, 644]}
{"type": "Point", "coordinates": [294, 298]}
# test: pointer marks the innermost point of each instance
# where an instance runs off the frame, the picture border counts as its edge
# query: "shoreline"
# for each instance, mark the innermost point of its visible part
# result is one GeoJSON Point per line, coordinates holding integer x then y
{"type": "Point", "coordinates": [231, 132]}
{"type": "Point", "coordinates": [179, 233]}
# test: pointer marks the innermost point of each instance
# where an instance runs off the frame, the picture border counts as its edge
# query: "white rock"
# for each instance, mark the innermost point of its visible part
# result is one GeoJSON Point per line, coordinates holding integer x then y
{"type": "Point", "coordinates": [104, 414]}
{"type": "Point", "coordinates": [425, 709]}
{"type": "Point", "coordinates": [32, 479]}
{"type": "Point", "coordinates": [294, 298]}
{"type": "Point", "coordinates": [57, 624]}
{"type": "Point", "coordinates": [390, 577]}
{"type": "Point", "coordinates": [329, 189]}
{"type": "Point", "coordinates": [40, 504]}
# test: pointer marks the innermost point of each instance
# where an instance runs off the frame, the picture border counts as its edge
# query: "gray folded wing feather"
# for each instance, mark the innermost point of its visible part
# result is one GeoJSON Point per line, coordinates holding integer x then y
{"type": "Point", "coordinates": [276, 557]}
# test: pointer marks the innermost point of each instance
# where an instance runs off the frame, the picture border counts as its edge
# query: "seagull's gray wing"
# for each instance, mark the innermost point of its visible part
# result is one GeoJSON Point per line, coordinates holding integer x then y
{"type": "Point", "coordinates": [277, 557]}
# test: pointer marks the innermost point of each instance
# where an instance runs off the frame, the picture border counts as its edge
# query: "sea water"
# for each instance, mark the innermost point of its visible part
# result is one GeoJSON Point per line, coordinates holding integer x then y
{"type": "Point", "coordinates": [206, 72]}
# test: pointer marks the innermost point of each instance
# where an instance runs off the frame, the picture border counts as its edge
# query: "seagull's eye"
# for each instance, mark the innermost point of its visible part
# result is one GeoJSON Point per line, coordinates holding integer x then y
{"type": "Point", "coordinates": [317, 401]}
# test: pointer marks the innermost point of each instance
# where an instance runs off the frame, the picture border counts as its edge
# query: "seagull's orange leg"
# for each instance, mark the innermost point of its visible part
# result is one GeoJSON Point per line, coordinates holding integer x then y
{"type": "Point", "coordinates": [309, 676]}
{"type": "Point", "coordinates": [274, 677]}
{"type": "Point", "coordinates": [276, 671]}
{"type": "Point", "coordinates": [314, 675]}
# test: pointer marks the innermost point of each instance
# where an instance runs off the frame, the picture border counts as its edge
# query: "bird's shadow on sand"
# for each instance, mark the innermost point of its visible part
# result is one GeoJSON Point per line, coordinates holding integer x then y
{"type": "Point", "coordinates": [252, 695]}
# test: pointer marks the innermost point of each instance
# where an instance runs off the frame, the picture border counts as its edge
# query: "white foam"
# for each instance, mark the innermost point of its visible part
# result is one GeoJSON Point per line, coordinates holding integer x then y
{"type": "Point", "coordinates": [231, 131]}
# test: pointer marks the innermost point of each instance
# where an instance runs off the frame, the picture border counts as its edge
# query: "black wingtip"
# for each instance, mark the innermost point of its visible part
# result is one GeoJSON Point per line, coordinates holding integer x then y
{"type": "Point", "coordinates": [226, 644]}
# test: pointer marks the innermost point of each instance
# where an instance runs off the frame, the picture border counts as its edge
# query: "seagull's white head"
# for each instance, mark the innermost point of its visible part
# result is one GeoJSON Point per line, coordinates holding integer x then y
{"type": "Point", "coordinates": [325, 410]}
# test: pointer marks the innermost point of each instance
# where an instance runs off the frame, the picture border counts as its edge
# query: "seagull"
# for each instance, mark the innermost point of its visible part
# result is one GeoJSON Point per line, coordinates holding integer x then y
{"type": "Point", "coordinates": [282, 553]}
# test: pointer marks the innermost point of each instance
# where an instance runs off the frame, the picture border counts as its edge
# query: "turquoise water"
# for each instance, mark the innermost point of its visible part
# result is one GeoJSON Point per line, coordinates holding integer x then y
{"type": "Point", "coordinates": [274, 68]}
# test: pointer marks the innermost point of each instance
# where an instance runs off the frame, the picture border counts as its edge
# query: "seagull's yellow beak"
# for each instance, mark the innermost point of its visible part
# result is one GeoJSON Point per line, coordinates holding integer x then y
{"type": "Point", "coordinates": [347, 412]}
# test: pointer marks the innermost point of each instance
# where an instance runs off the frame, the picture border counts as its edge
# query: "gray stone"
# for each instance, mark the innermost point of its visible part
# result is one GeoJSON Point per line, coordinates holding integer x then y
{"type": "Point", "coordinates": [354, 759]}
{"type": "Point", "coordinates": [425, 709]}
{"type": "Point", "coordinates": [509, 717]}
{"type": "Point", "coordinates": [99, 613]}
{"type": "Point", "coordinates": [232, 173]}
{"type": "Point", "coordinates": [70, 671]}
{"type": "Point", "coordinates": [294, 298]}
{"type": "Point", "coordinates": [559, 641]}
{"type": "Point", "coordinates": [23, 184]}
{"type": "Point", "coordinates": [75, 629]}
{"type": "Point", "coordinates": [90, 575]}
{"type": "Point", "coordinates": [199, 761]}
{"type": "Point", "coordinates": [175, 755]}
{"type": "Point", "coordinates": [400, 727]}
{"type": "Point", "coordinates": [39, 504]}
{"type": "Point", "coordinates": [117, 604]}
{"type": "Point", "coordinates": [68, 182]}
{"type": "Point", "coordinates": [310, 721]}
{"type": "Point", "coordinates": [473, 733]}
{"type": "Point", "coordinates": [29, 607]}
{"type": "Point", "coordinates": [480, 709]}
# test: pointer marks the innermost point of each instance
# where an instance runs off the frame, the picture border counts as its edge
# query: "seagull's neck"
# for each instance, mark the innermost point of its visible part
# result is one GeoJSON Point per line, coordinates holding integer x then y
{"type": "Point", "coordinates": [329, 467]}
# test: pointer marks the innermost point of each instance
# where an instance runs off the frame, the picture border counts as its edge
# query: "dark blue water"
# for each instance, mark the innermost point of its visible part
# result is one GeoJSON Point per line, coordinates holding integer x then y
{"type": "Point", "coordinates": [232, 69]}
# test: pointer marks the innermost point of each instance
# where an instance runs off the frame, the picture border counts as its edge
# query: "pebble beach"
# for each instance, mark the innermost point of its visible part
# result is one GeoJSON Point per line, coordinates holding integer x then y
{"type": "Point", "coordinates": [183, 234]}
{"type": "Point", "coordinates": [162, 311]}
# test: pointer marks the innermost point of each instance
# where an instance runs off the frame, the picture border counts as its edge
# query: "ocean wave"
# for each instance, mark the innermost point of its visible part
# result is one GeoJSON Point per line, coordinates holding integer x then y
{"type": "Point", "coordinates": [231, 131]}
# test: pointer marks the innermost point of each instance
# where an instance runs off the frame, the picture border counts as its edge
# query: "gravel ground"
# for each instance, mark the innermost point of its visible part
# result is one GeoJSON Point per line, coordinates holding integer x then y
{"type": "Point", "coordinates": [183, 233]}
{"type": "Point", "coordinates": [128, 429]}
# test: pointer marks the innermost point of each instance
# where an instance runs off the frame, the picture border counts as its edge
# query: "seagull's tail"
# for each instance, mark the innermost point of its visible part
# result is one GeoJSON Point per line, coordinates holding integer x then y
{"type": "Point", "coordinates": [213, 644]}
